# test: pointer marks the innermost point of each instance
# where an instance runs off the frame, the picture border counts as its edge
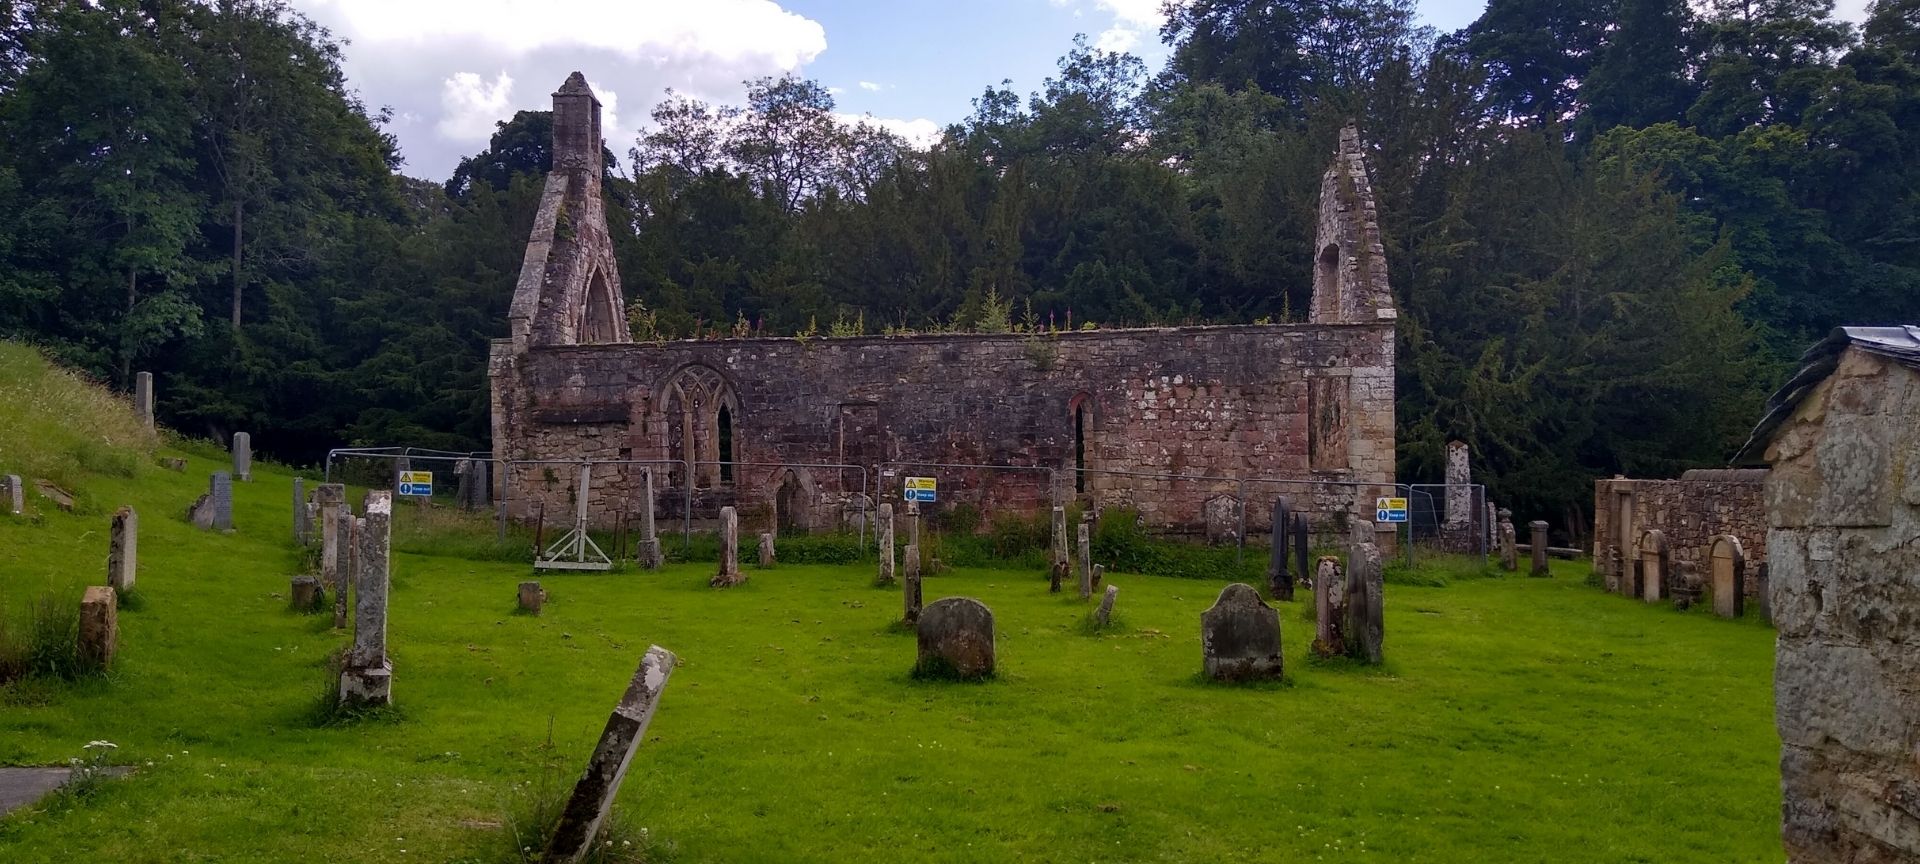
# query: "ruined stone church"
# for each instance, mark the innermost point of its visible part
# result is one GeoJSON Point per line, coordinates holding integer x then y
{"type": "Point", "coordinates": [810, 434]}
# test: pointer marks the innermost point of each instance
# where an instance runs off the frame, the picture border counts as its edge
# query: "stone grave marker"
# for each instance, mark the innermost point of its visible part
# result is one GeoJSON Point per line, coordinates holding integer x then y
{"type": "Point", "coordinates": [766, 550]}
{"type": "Point", "coordinates": [123, 550]}
{"type": "Point", "coordinates": [307, 594]}
{"type": "Point", "coordinates": [302, 516]}
{"type": "Point", "coordinates": [1687, 585]}
{"type": "Point", "coordinates": [1279, 576]}
{"type": "Point", "coordinates": [1099, 573]}
{"type": "Point", "coordinates": [650, 554]}
{"type": "Point", "coordinates": [1223, 520]}
{"type": "Point", "coordinates": [729, 574]}
{"type": "Point", "coordinates": [1729, 564]}
{"type": "Point", "coordinates": [99, 626]}
{"type": "Point", "coordinates": [143, 398]}
{"type": "Point", "coordinates": [368, 677]}
{"type": "Point", "coordinates": [956, 639]}
{"type": "Point", "coordinates": [1104, 615]}
{"type": "Point", "coordinates": [1509, 542]}
{"type": "Point", "coordinates": [348, 531]}
{"type": "Point", "coordinates": [1060, 555]}
{"type": "Point", "coordinates": [243, 457]}
{"type": "Point", "coordinates": [885, 523]}
{"type": "Point", "coordinates": [51, 491]}
{"type": "Point", "coordinates": [910, 585]}
{"type": "Point", "coordinates": [587, 808]}
{"type": "Point", "coordinates": [1300, 541]}
{"type": "Point", "coordinates": [220, 486]}
{"type": "Point", "coordinates": [13, 494]}
{"type": "Point", "coordinates": [1057, 577]}
{"type": "Point", "coordinates": [1240, 637]}
{"type": "Point", "coordinates": [1085, 550]}
{"type": "Point", "coordinates": [1329, 608]}
{"type": "Point", "coordinates": [532, 597]}
{"type": "Point", "coordinates": [1537, 530]}
{"type": "Point", "coordinates": [1366, 615]}
{"type": "Point", "coordinates": [1653, 566]}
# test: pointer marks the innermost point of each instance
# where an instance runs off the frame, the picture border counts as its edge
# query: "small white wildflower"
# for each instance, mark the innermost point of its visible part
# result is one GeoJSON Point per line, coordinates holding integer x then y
{"type": "Point", "coordinates": [107, 744]}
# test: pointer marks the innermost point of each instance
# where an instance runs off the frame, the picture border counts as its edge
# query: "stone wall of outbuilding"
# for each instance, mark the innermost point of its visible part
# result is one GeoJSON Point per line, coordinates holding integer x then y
{"type": "Point", "coordinates": [1689, 512]}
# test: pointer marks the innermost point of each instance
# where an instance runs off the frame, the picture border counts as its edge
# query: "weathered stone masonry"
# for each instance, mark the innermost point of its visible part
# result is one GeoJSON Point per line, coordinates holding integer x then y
{"type": "Point", "coordinates": [1296, 401]}
{"type": "Point", "coordinates": [1689, 512]}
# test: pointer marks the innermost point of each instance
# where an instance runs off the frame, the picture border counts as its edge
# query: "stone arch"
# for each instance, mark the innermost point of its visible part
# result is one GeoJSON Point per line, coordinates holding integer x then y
{"type": "Point", "coordinates": [1080, 414]}
{"type": "Point", "coordinates": [600, 313]}
{"type": "Point", "coordinates": [1727, 573]}
{"type": "Point", "coordinates": [793, 494]}
{"type": "Point", "coordinates": [1654, 566]}
{"type": "Point", "coordinates": [692, 400]}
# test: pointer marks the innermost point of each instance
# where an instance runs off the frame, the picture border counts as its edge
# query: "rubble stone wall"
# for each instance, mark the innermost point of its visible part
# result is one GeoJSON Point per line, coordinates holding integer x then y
{"type": "Point", "coordinates": [1688, 512]}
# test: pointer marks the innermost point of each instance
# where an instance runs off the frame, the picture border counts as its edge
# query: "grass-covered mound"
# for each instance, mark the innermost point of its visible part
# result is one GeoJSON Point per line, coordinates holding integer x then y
{"type": "Point", "coordinates": [57, 425]}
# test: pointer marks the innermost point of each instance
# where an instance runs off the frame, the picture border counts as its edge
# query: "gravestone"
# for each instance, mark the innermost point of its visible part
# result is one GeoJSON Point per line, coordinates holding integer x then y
{"type": "Point", "coordinates": [766, 550]}
{"type": "Point", "coordinates": [532, 597]}
{"type": "Point", "coordinates": [1687, 585]}
{"type": "Point", "coordinates": [1300, 541]}
{"type": "Point", "coordinates": [51, 491]}
{"type": "Point", "coordinates": [302, 517]}
{"type": "Point", "coordinates": [650, 554]}
{"type": "Point", "coordinates": [123, 550]}
{"type": "Point", "coordinates": [1537, 531]}
{"type": "Point", "coordinates": [1366, 615]}
{"type": "Point", "coordinates": [13, 494]}
{"type": "Point", "coordinates": [307, 594]}
{"type": "Point", "coordinates": [910, 585]}
{"type": "Point", "coordinates": [910, 556]}
{"type": "Point", "coordinates": [243, 457]}
{"type": "Point", "coordinates": [1240, 637]}
{"type": "Point", "coordinates": [367, 679]}
{"type": "Point", "coordinates": [1085, 548]}
{"type": "Point", "coordinates": [1104, 615]}
{"type": "Point", "coordinates": [200, 512]}
{"type": "Point", "coordinates": [1279, 576]}
{"type": "Point", "coordinates": [1729, 564]}
{"type": "Point", "coordinates": [956, 639]}
{"type": "Point", "coordinates": [1057, 578]}
{"type": "Point", "coordinates": [885, 522]}
{"type": "Point", "coordinates": [1099, 573]}
{"type": "Point", "coordinates": [99, 627]}
{"type": "Point", "coordinates": [143, 398]}
{"type": "Point", "coordinates": [220, 486]}
{"type": "Point", "coordinates": [1060, 555]}
{"type": "Point", "coordinates": [348, 530]}
{"type": "Point", "coordinates": [729, 574]}
{"type": "Point", "coordinates": [1459, 486]}
{"type": "Point", "coordinates": [174, 464]}
{"type": "Point", "coordinates": [1223, 520]}
{"type": "Point", "coordinates": [1329, 608]}
{"type": "Point", "coordinates": [1509, 542]}
{"type": "Point", "coordinates": [592, 798]}
{"type": "Point", "coordinates": [1654, 568]}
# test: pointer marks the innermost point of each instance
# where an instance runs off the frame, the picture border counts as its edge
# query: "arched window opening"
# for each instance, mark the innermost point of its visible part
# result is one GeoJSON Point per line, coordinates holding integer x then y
{"type": "Point", "coordinates": [1326, 282]}
{"type": "Point", "coordinates": [1080, 448]}
{"type": "Point", "coordinates": [726, 444]}
{"type": "Point", "coordinates": [597, 323]}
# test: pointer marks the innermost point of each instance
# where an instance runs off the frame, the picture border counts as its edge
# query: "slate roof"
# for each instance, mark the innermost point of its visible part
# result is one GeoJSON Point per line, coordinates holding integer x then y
{"type": "Point", "coordinates": [1900, 344]}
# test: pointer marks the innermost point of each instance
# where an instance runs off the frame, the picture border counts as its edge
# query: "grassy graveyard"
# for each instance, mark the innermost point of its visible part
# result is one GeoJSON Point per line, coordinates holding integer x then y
{"type": "Point", "coordinates": [1515, 720]}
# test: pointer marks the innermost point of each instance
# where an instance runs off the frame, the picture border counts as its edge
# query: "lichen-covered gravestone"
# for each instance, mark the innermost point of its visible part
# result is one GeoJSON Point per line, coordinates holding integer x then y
{"type": "Point", "coordinates": [348, 532]}
{"type": "Point", "coordinates": [1366, 616]}
{"type": "Point", "coordinates": [1329, 608]}
{"type": "Point", "coordinates": [1104, 615]}
{"type": "Point", "coordinates": [308, 595]}
{"type": "Point", "coordinates": [1060, 556]}
{"type": "Point", "coordinates": [586, 809]}
{"type": "Point", "coordinates": [956, 639]}
{"type": "Point", "coordinates": [1240, 637]}
{"type": "Point", "coordinates": [99, 627]}
{"type": "Point", "coordinates": [1085, 548]}
{"type": "Point", "coordinates": [910, 585]}
{"type": "Point", "coordinates": [1509, 542]}
{"type": "Point", "coordinates": [123, 550]}
{"type": "Point", "coordinates": [13, 494]}
{"type": "Point", "coordinates": [1687, 586]}
{"type": "Point", "coordinates": [532, 597]}
{"type": "Point", "coordinates": [884, 523]}
{"type": "Point", "coordinates": [243, 457]}
{"type": "Point", "coordinates": [367, 679]}
{"type": "Point", "coordinates": [1537, 530]}
{"type": "Point", "coordinates": [766, 550]}
{"type": "Point", "coordinates": [729, 574]}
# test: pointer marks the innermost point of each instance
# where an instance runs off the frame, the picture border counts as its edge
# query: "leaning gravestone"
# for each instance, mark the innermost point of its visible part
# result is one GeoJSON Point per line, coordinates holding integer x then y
{"type": "Point", "coordinates": [1240, 637]}
{"type": "Point", "coordinates": [99, 627]}
{"type": "Point", "coordinates": [886, 545]}
{"type": "Point", "coordinates": [367, 679]}
{"type": "Point", "coordinates": [14, 495]}
{"type": "Point", "coordinates": [1104, 616]}
{"type": "Point", "coordinates": [729, 574]}
{"type": "Point", "coordinates": [1729, 564]}
{"type": "Point", "coordinates": [123, 550]}
{"type": "Point", "coordinates": [243, 457]}
{"type": "Point", "coordinates": [1366, 615]}
{"type": "Point", "coordinates": [586, 809]}
{"type": "Point", "coordinates": [956, 639]}
{"type": "Point", "coordinates": [650, 555]}
{"type": "Point", "coordinates": [1329, 608]}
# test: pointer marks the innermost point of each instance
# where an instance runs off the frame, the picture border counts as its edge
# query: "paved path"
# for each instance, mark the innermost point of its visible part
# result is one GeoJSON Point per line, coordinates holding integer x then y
{"type": "Point", "coordinates": [22, 786]}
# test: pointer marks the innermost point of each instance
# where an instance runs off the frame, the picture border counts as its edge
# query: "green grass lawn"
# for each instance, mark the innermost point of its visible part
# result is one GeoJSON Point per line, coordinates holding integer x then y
{"type": "Point", "coordinates": [1516, 719]}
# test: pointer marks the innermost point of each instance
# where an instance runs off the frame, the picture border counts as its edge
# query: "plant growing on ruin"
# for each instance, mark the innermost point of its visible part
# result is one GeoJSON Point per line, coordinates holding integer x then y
{"type": "Point", "coordinates": [742, 328]}
{"type": "Point", "coordinates": [643, 323]}
{"type": "Point", "coordinates": [1040, 352]}
{"type": "Point", "coordinates": [842, 327]}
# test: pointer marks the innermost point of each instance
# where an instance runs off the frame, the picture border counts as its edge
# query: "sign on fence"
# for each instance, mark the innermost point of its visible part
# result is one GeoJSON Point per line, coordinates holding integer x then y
{"type": "Point", "coordinates": [1390, 510]}
{"type": "Point", "coordinates": [921, 489]}
{"type": "Point", "coordinates": [418, 483]}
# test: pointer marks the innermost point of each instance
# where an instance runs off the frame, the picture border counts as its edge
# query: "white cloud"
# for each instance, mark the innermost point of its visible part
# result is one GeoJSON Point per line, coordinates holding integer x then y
{"type": "Point", "coordinates": [1117, 39]}
{"type": "Point", "coordinates": [920, 132]}
{"type": "Point", "coordinates": [1137, 14]}
{"type": "Point", "coordinates": [1133, 21]}
{"type": "Point", "coordinates": [869, 85]}
{"type": "Point", "coordinates": [470, 105]}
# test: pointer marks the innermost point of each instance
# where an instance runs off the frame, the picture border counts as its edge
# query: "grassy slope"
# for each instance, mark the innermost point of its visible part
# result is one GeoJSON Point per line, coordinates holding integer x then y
{"type": "Point", "coordinates": [1517, 720]}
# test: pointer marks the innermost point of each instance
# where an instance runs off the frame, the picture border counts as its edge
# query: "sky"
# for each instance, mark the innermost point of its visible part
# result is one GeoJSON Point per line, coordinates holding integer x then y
{"type": "Point", "coordinates": [448, 70]}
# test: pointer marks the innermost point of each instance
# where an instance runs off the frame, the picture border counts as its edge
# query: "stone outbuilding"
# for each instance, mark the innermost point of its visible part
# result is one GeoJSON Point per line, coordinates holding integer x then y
{"type": "Point", "coordinates": [1689, 513]}
{"type": "Point", "coordinates": [1843, 510]}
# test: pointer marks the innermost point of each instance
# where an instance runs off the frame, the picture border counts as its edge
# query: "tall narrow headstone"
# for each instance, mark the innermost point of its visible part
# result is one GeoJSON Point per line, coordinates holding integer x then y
{"type": "Point", "coordinates": [330, 500]}
{"type": "Point", "coordinates": [13, 494]}
{"type": "Point", "coordinates": [143, 398]}
{"type": "Point", "coordinates": [1240, 637]}
{"type": "Point", "coordinates": [729, 574]}
{"type": "Point", "coordinates": [99, 627]}
{"type": "Point", "coordinates": [1537, 531]}
{"type": "Point", "coordinates": [302, 515]}
{"type": "Point", "coordinates": [1459, 486]}
{"type": "Point", "coordinates": [1509, 543]}
{"type": "Point", "coordinates": [885, 521]}
{"type": "Point", "coordinates": [348, 531]}
{"type": "Point", "coordinates": [913, 523]}
{"type": "Point", "coordinates": [1300, 541]}
{"type": "Point", "coordinates": [368, 677]}
{"type": "Point", "coordinates": [1085, 550]}
{"type": "Point", "coordinates": [650, 555]}
{"type": "Point", "coordinates": [766, 549]}
{"type": "Point", "coordinates": [1279, 576]}
{"type": "Point", "coordinates": [956, 639]}
{"type": "Point", "coordinates": [1329, 608]}
{"type": "Point", "coordinates": [220, 488]}
{"type": "Point", "coordinates": [123, 550]}
{"type": "Point", "coordinates": [243, 457]}
{"type": "Point", "coordinates": [586, 809]}
{"type": "Point", "coordinates": [1060, 555]}
{"type": "Point", "coordinates": [1729, 576]}
{"type": "Point", "coordinates": [910, 584]}
{"type": "Point", "coordinates": [1366, 615]}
